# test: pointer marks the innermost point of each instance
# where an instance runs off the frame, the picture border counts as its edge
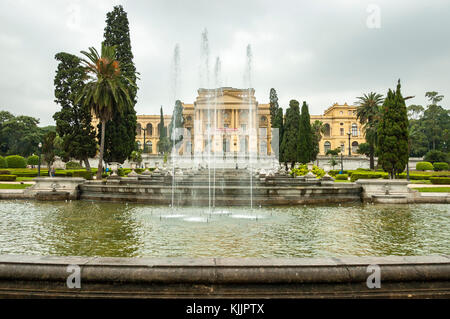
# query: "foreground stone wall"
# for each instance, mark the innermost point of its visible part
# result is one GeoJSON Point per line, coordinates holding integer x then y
{"type": "Point", "coordinates": [404, 277]}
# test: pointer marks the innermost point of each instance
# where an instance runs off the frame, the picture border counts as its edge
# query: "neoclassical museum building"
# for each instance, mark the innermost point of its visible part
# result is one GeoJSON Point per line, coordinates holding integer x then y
{"type": "Point", "coordinates": [230, 121]}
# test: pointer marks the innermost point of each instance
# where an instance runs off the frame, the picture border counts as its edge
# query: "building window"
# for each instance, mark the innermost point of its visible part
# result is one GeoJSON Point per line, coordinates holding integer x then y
{"type": "Point", "coordinates": [149, 147]}
{"type": "Point", "coordinates": [327, 130]}
{"type": "Point", "coordinates": [350, 113]}
{"type": "Point", "coordinates": [354, 129]}
{"type": "Point", "coordinates": [342, 131]}
{"type": "Point", "coordinates": [326, 147]}
{"type": "Point", "coordinates": [340, 113]}
{"type": "Point", "coordinates": [138, 129]}
{"type": "Point", "coordinates": [354, 147]}
{"type": "Point", "coordinates": [149, 129]}
{"type": "Point", "coordinates": [263, 132]}
{"type": "Point", "coordinates": [243, 128]}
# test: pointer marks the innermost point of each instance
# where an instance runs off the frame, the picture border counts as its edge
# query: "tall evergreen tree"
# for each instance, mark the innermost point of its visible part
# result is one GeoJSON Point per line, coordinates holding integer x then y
{"type": "Point", "coordinates": [73, 122]}
{"type": "Point", "coordinates": [306, 147]}
{"type": "Point", "coordinates": [121, 129]}
{"type": "Point", "coordinates": [177, 122]}
{"type": "Point", "coordinates": [163, 142]}
{"type": "Point", "coordinates": [273, 105]}
{"type": "Point", "coordinates": [393, 134]}
{"type": "Point", "coordinates": [290, 144]}
{"type": "Point", "coordinates": [278, 124]}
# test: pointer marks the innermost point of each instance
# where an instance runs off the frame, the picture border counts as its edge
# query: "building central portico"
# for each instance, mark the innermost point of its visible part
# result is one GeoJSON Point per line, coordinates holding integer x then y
{"type": "Point", "coordinates": [226, 122]}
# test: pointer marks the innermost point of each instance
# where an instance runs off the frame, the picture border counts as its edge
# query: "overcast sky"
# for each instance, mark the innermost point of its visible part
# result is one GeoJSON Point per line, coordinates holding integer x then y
{"type": "Point", "coordinates": [318, 51]}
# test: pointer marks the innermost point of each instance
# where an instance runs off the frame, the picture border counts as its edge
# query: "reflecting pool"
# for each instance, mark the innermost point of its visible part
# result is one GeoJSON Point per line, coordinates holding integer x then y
{"type": "Point", "coordinates": [82, 228]}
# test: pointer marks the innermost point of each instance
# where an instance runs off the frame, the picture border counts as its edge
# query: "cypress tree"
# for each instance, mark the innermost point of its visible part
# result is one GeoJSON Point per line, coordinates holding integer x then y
{"type": "Point", "coordinates": [163, 142]}
{"type": "Point", "coordinates": [290, 144]}
{"type": "Point", "coordinates": [73, 122]}
{"type": "Point", "coordinates": [273, 105]}
{"type": "Point", "coordinates": [120, 133]}
{"type": "Point", "coordinates": [177, 121]}
{"type": "Point", "coordinates": [306, 147]}
{"type": "Point", "coordinates": [393, 134]}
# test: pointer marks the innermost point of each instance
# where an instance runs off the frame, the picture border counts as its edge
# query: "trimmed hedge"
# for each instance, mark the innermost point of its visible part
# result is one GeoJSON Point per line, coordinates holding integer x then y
{"type": "Point", "coordinates": [342, 177]}
{"type": "Point", "coordinates": [424, 166]}
{"type": "Point", "coordinates": [368, 175]}
{"type": "Point", "coordinates": [3, 162]}
{"type": "Point", "coordinates": [440, 166]}
{"type": "Point", "coordinates": [33, 160]}
{"type": "Point", "coordinates": [335, 172]}
{"type": "Point", "coordinates": [16, 161]}
{"type": "Point", "coordinates": [440, 180]}
{"type": "Point", "coordinates": [9, 178]}
{"type": "Point", "coordinates": [73, 165]}
{"type": "Point", "coordinates": [84, 174]}
{"type": "Point", "coordinates": [5, 172]}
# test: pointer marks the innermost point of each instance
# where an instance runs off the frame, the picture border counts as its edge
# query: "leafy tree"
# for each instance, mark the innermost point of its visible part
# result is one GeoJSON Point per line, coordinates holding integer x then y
{"type": "Point", "coordinates": [334, 152]}
{"type": "Point", "coordinates": [393, 134]}
{"type": "Point", "coordinates": [333, 161]}
{"type": "Point", "coordinates": [105, 93]}
{"type": "Point", "coordinates": [177, 117]}
{"type": "Point", "coordinates": [163, 142]}
{"type": "Point", "coordinates": [121, 127]}
{"type": "Point", "coordinates": [48, 149]}
{"type": "Point", "coordinates": [415, 111]}
{"type": "Point", "coordinates": [318, 129]}
{"type": "Point", "coordinates": [306, 143]}
{"type": "Point", "coordinates": [73, 122]}
{"type": "Point", "coordinates": [437, 156]}
{"type": "Point", "coordinates": [19, 134]}
{"type": "Point", "coordinates": [33, 160]}
{"type": "Point", "coordinates": [368, 113]}
{"type": "Point", "coordinates": [291, 139]}
{"type": "Point", "coordinates": [364, 149]}
{"type": "Point", "coordinates": [273, 105]}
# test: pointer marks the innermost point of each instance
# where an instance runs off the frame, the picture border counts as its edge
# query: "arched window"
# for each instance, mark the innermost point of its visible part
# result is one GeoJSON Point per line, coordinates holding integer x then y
{"type": "Point", "coordinates": [326, 147]}
{"type": "Point", "coordinates": [149, 129]}
{"type": "Point", "coordinates": [354, 129]}
{"type": "Point", "coordinates": [327, 130]}
{"type": "Point", "coordinates": [138, 129]}
{"type": "Point", "coordinates": [149, 147]}
{"type": "Point", "coordinates": [355, 147]}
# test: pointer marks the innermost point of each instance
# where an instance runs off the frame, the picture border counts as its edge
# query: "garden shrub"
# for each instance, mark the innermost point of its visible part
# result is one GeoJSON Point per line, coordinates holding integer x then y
{"type": "Point", "coordinates": [3, 162]}
{"type": "Point", "coordinates": [424, 166]}
{"type": "Point", "coordinates": [440, 180]}
{"type": "Point", "coordinates": [334, 172]}
{"type": "Point", "coordinates": [33, 160]}
{"type": "Point", "coordinates": [5, 172]}
{"type": "Point", "coordinates": [84, 174]}
{"type": "Point", "coordinates": [139, 170]}
{"type": "Point", "coordinates": [9, 178]}
{"type": "Point", "coordinates": [16, 161]}
{"type": "Point", "coordinates": [73, 165]}
{"type": "Point", "coordinates": [437, 156]}
{"type": "Point", "coordinates": [440, 166]}
{"type": "Point", "coordinates": [342, 177]}
{"type": "Point", "coordinates": [319, 172]}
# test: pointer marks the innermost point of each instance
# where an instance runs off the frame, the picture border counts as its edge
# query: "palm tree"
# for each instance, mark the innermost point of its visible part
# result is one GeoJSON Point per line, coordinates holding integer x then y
{"type": "Point", "coordinates": [106, 91]}
{"type": "Point", "coordinates": [368, 113]}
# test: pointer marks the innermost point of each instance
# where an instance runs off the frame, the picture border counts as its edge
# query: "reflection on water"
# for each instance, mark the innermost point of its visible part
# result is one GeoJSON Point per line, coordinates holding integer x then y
{"type": "Point", "coordinates": [130, 230]}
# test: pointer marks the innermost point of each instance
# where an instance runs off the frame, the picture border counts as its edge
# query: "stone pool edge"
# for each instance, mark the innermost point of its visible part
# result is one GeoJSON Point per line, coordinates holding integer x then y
{"type": "Point", "coordinates": [109, 277]}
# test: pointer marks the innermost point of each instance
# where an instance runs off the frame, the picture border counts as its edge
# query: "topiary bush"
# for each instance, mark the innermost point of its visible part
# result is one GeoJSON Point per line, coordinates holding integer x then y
{"type": "Point", "coordinates": [16, 161]}
{"type": "Point", "coordinates": [3, 162]}
{"type": "Point", "coordinates": [440, 180]}
{"type": "Point", "coordinates": [33, 160]}
{"type": "Point", "coordinates": [9, 178]}
{"type": "Point", "coordinates": [440, 166]}
{"type": "Point", "coordinates": [73, 165]}
{"type": "Point", "coordinates": [424, 166]}
{"type": "Point", "coordinates": [342, 177]}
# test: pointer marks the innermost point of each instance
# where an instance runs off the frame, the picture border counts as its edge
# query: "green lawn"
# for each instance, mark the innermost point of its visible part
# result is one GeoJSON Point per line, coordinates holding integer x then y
{"type": "Point", "coordinates": [434, 189]}
{"type": "Point", "coordinates": [21, 179]}
{"type": "Point", "coordinates": [14, 186]}
{"type": "Point", "coordinates": [341, 181]}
